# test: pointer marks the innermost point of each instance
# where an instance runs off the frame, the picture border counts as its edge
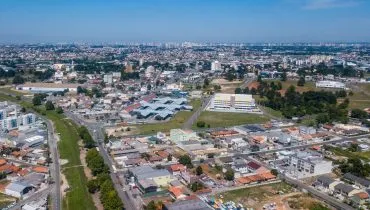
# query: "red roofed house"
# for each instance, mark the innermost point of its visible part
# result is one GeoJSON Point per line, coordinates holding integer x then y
{"type": "Point", "coordinates": [176, 192]}
{"type": "Point", "coordinates": [359, 199]}
{"type": "Point", "coordinates": [176, 169]}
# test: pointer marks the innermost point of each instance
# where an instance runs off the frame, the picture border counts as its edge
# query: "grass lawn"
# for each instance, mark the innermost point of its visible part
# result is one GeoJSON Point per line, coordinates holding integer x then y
{"type": "Point", "coordinates": [78, 196]}
{"type": "Point", "coordinates": [5, 200]}
{"type": "Point", "coordinates": [342, 152]}
{"type": "Point", "coordinates": [69, 150]}
{"type": "Point", "coordinates": [12, 91]}
{"type": "Point", "coordinates": [176, 122]}
{"type": "Point", "coordinates": [286, 84]}
{"type": "Point", "coordinates": [225, 119]}
{"type": "Point", "coordinates": [365, 87]}
{"type": "Point", "coordinates": [272, 112]}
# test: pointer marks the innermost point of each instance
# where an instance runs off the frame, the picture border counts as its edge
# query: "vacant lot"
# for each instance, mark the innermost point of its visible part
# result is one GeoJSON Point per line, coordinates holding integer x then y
{"type": "Point", "coordinates": [256, 197]}
{"type": "Point", "coordinates": [227, 86]}
{"type": "Point", "coordinates": [226, 119]}
{"type": "Point", "coordinates": [175, 122]}
{"type": "Point", "coordinates": [303, 201]}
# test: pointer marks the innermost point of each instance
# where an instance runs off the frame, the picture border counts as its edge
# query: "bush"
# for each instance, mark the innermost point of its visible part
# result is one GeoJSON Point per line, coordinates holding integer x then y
{"type": "Point", "coordinates": [229, 175]}
{"type": "Point", "coordinates": [49, 105]}
{"type": "Point", "coordinates": [201, 124]}
{"type": "Point", "coordinates": [59, 110]}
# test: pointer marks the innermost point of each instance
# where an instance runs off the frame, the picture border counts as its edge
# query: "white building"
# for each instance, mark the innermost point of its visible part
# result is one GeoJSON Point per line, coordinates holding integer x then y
{"type": "Point", "coordinates": [11, 118]}
{"type": "Point", "coordinates": [233, 103]}
{"type": "Point", "coordinates": [48, 87]}
{"type": "Point", "coordinates": [305, 164]}
{"type": "Point", "coordinates": [215, 66]}
{"type": "Point", "coordinates": [108, 78]}
{"type": "Point", "coordinates": [34, 141]}
{"type": "Point", "coordinates": [330, 84]}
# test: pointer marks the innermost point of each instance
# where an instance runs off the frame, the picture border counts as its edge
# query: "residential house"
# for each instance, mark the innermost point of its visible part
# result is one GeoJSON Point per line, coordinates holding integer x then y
{"type": "Point", "coordinates": [176, 169]}
{"type": "Point", "coordinates": [327, 182]}
{"type": "Point", "coordinates": [345, 190]}
{"type": "Point", "coordinates": [359, 199]}
{"type": "Point", "coordinates": [361, 182]}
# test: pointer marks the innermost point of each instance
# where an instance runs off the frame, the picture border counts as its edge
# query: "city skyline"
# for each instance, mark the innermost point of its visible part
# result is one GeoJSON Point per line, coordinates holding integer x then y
{"type": "Point", "coordinates": [177, 21]}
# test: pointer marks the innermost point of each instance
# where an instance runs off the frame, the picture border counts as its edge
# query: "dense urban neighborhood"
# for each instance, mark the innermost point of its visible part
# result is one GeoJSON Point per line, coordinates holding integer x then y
{"type": "Point", "coordinates": [185, 126]}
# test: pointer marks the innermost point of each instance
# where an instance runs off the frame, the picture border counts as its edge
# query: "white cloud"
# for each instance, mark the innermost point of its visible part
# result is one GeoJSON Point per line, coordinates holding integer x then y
{"type": "Point", "coordinates": [327, 4]}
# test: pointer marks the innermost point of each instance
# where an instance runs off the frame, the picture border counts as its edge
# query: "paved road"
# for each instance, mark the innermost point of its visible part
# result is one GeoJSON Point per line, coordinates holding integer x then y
{"type": "Point", "coordinates": [307, 145]}
{"type": "Point", "coordinates": [194, 117]}
{"type": "Point", "coordinates": [322, 196]}
{"type": "Point", "coordinates": [55, 167]}
{"type": "Point", "coordinates": [98, 136]}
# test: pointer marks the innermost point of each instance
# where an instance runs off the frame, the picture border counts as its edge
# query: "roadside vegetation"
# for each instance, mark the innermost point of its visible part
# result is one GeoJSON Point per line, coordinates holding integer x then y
{"type": "Point", "coordinates": [78, 196]}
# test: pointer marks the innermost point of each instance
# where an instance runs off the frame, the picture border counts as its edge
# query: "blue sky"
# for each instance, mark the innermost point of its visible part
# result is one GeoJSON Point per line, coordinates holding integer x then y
{"type": "Point", "coordinates": [184, 20]}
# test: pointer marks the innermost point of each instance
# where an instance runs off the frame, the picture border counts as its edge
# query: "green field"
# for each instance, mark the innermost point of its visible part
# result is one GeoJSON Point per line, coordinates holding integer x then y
{"type": "Point", "coordinates": [69, 150]}
{"type": "Point", "coordinates": [286, 84]}
{"type": "Point", "coordinates": [176, 122]}
{"type": "Point", "coordinates": [78, 196]}
{"type": "Point", "coordinates": [9, 90]}
{"type": "Point", "coordinates": [272, 112]}
{"type": "Point", "coordinates": [345, 153]}
{"type": "Point", "coordinates": [226, 119]}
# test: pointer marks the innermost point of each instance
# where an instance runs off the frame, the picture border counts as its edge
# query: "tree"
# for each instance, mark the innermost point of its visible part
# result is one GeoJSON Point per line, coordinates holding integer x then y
{"type": "Point", "coordinates": [199, 170]}
{"type": "Point", "coordinates": [359, 114]}
{"type": "Point", "coordinates": [274, 172]}
{"type": "Point", "coordinates": [186, 160]}
{"type": "Point", "coordinates": [36, 101]}
{"type": "Point", "coordinates": [59, 110]}
{"type": "Point", "coordinates": [229, 174]}
{"type": "Point", "coordinates": [49, 105]}
{"type": "Point", "coordinates": [322, 118]}
{"type": "Point", "coordinates": [301, 81]}
{"type": "Point", "coordinates": [18, 80]}
{"type": "Point", "coordinates": [253, 91]}
{"type": "Point", "coordinates": [206, 82]}
{"type": "Point", "coordinates": [238, 90]}
{"type": "Point", "coordinates": [283, 76]}
{"type": "Point", "coordinates": [80, 90]}
{"type": "Point", "coordinates": [201, 124]}
{"type": "Point", "coordinates": [246, 90]}
{"type": "Point", "coordinates": [259, 78]}
{"type": "Point", "coordinates": [151, 206]}
{"type": "Point", "coordinates": [169, 157]}
{"type": "Point", "coordinates": [279, 86]}
{"type": "Point", "coordinates": [93, 185]}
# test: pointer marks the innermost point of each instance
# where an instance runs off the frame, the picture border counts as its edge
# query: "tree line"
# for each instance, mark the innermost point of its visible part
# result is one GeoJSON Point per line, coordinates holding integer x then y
{"type": "Point", "coordinates": [102, 181]}
{"type": "Point", "coordinates": [296, 104]}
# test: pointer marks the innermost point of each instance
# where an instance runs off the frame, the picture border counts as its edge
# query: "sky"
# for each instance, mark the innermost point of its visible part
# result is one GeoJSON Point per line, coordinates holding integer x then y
{"type": "Point", "coordinates": [123, 21]}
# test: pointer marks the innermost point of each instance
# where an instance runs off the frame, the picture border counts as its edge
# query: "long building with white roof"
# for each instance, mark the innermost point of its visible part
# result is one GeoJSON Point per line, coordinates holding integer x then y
{"type": "Point", "coordinates": [233, 103]}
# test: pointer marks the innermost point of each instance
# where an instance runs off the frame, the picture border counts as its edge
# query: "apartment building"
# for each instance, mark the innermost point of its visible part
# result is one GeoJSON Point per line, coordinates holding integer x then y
{"type": "Point", "coordinates": [306, 164]}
